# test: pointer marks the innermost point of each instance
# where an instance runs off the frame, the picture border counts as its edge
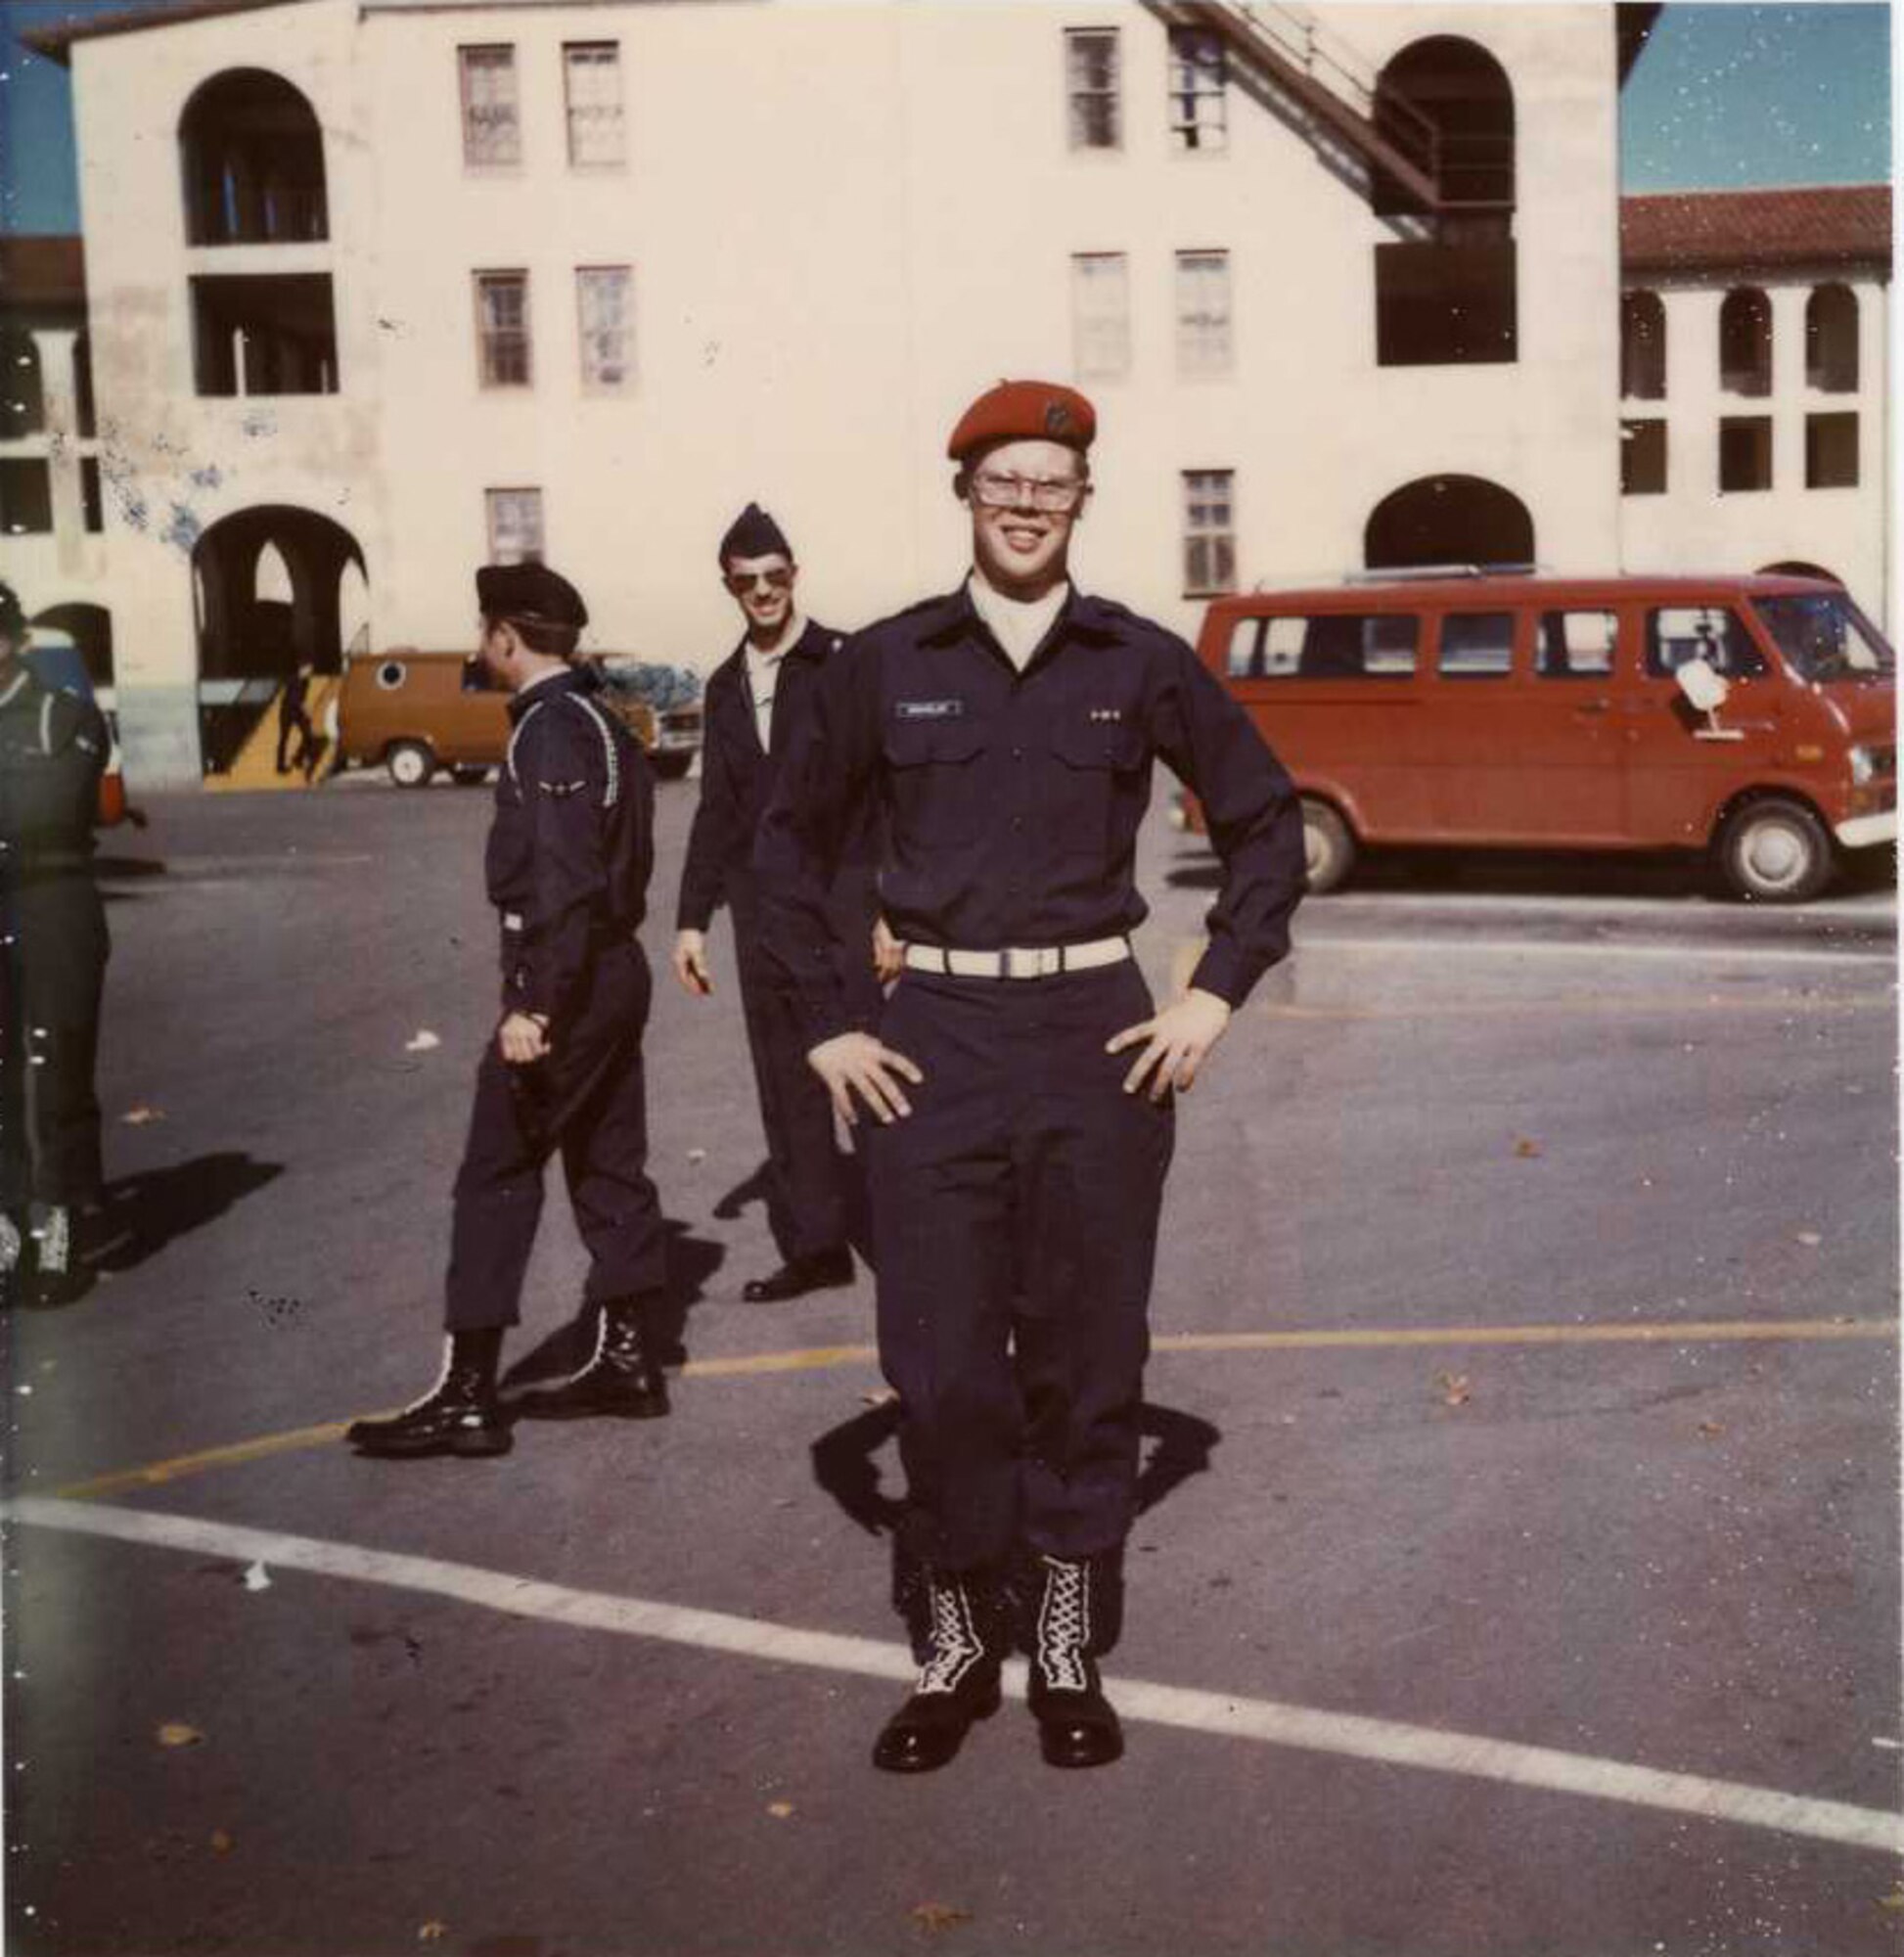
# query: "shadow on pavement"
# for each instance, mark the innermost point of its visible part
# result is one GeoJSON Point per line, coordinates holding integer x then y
{"type": "Point", "coordinates": [140, 1214]}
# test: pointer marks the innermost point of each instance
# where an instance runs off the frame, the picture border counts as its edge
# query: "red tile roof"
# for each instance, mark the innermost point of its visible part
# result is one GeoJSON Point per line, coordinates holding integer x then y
{"type": "Point", "coordinates": [1747, 230]}
{"type": "Point", "coordinates": [42, 271]}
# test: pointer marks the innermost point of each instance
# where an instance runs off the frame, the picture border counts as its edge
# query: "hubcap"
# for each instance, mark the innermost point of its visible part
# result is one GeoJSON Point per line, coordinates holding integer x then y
{"type": "Point", "coordinates": [1776, 856]}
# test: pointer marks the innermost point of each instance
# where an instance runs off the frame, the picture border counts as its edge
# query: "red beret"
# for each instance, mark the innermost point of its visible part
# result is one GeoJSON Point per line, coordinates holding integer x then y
{"type": "Point", "coordinates": [1026, 411]}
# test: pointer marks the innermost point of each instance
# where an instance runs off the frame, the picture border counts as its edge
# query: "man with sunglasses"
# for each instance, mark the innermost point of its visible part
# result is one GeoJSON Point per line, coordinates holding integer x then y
{"type": "Point", "coordinates": [755, 702]}
{"type": "Point", "coordinates": [1018, 1151]}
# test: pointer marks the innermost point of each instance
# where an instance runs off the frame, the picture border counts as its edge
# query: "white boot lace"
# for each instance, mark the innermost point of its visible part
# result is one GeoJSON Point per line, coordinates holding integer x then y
{"type": "Point", "coordinates": [957, 1646]}
{"type": "Point", "coordinates": [1064, 1625]}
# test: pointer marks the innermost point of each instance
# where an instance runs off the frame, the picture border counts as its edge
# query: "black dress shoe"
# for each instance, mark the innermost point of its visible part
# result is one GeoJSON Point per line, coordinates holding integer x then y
{"type": "Point", "coordinates": [462, 1416]}
{"type": "Point", "coordinates": [1077, 1726]}
{"type": "Point", "coordinates": [824, 1270]}
{"type": "Point", "coordinates": [623, 1380]}
{"type": "Point", "coordinates": [929, 1728]}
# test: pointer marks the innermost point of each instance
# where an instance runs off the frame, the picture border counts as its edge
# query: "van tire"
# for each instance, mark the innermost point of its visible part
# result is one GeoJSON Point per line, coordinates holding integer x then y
{"type": "Point", "coordinates": [410, 763]}
{"type": "Point", "coordinates": [1328, 848]}
{"type": "Point", "coordinates": [469, 774]}
{"type": "Point", "coordinates": [1774, 851]}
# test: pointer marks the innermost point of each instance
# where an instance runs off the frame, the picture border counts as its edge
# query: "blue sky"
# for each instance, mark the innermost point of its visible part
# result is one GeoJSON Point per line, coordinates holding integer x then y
{"type": "Point", "coordinates": [1724, 97]}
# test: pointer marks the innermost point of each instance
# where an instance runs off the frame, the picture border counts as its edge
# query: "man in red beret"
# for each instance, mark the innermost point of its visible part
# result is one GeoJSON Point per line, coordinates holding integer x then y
{"type": "Point", "coordinates": [1022, 1079]}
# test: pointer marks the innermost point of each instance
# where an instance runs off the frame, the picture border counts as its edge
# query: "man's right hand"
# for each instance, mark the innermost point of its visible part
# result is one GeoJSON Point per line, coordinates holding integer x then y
{"type": "Point", "coordinates": [689, 962]}
{"type": "Point", "coordinates": [858, 1063]}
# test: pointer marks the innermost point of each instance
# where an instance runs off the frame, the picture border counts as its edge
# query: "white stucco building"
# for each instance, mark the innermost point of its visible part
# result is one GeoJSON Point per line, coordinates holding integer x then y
{"type": "Point", "coordinates": [381, 288]}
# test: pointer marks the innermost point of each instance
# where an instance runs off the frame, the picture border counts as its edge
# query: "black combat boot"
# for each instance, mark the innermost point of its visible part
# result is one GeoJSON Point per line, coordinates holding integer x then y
{"type": "Point", "coordinates": [957, 1684]}
{"type": "Point", "coordinates": [461, 1415]}
{"type": "Point", "coordinates": [821, 1270]}
{"type": "Point", "coordinates": [1076, 1725]}
{"type": "Point", "coordinates": [624, 1380]}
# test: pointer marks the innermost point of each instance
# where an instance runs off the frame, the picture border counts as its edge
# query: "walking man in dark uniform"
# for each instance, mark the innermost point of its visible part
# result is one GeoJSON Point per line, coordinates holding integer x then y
{"type": "Point", "coordinates": [293, 717]}
{"type": "Point", "coordinates": [53, 749]}
{"type": "Point", "coordinates": [1018, 1153]}
{"type": "Point", "coordinates": [569, 860]}
{"type": "Point", "coordinates": [755, 701]}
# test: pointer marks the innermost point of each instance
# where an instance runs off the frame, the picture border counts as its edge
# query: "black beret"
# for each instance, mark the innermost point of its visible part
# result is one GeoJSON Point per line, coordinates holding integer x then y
{"type": "Point", "coordinates": [13, 617]}
{"type": "Point", "coordinates": [529, 592]}
{"type": "Point", "coordinates": [755, 533]}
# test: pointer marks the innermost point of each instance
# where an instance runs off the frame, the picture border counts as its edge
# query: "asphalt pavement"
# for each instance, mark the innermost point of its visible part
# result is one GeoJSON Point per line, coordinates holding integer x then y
{"type": "Point", "coordinates": [1519, 1571]}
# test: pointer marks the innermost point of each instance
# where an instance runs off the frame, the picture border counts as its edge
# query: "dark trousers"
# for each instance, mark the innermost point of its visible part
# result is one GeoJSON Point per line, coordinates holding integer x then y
{"type": "Point", "coordinates": [589, 1100]}
{"type": "Point", "coordinates": [51, 983]}
{"type": "Point", "coordinates": [300, 721]}
{"type": "Point", "coordinates": [813, 1191]}
{"type": "Point", "coordinates": [1015, 1216]}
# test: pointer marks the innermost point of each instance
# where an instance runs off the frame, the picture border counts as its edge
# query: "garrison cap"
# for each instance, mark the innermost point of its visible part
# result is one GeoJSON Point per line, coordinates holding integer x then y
{"type": "Point", "coordinates": [755, 533]}
{"type": "Point", "coordinates": [531, 593]}
{"type": "Point", "coordinates": [1025, 411]}
{"type": "Point", "coordinates": [12, 615]}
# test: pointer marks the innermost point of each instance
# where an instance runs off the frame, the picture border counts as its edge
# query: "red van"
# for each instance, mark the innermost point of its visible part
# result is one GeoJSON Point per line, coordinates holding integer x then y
{"type": "Point", "coordinates": [1750, 716]}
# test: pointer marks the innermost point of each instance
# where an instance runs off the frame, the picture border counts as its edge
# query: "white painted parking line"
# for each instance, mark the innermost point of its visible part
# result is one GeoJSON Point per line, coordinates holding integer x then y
{"type": "Point", "coordinates": [1221, 1715]}
{"type": "Point", "coordinates": [1687, 951]}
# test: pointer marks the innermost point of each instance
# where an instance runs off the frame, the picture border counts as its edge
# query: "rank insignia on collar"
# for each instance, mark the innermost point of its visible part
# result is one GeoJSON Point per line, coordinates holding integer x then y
{"type": "Point", "coordinates": [927, 710]}
{"type": "Point", "coordinates": [1111, 713]}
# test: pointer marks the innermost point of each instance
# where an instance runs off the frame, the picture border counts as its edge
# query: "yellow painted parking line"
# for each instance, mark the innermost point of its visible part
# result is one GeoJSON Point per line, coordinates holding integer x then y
{"type": "Point", "coordinates": [1595, 1005]}
{"type": "Point", "coordinates": [823, 1358]}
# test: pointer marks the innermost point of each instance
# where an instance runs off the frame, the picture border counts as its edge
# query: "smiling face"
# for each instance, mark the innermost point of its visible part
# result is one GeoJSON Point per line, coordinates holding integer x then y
{"type": "Point", "coordinates": [1019, 548]}
{"type": "Point", "coordinates": [764, 588]}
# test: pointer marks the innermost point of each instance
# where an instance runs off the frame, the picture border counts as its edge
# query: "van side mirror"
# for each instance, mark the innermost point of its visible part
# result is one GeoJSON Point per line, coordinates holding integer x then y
{"type": "Point", "coordinates": [1707, 690]}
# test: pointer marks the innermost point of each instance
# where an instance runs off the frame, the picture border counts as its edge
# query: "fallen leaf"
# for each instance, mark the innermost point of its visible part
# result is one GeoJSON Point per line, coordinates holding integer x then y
{"type": "Point", "coordinates": [175, 1732]}
{"type": "Point", "coordinates": [221, 1844]}
{"type": "Point", "coordinates": [780, 1809]}
{"type": "Point", "coordinates": [1809, 1238]}
{"type": "Point", "coordinates": [1454, 1388]}
{"type": "Point", "coordinates": [137, 1117]}
{"type": "Point", "coordinates": [1895, 1901]}
{"type": "Point", "coordinates": [258, 1577]}
{"type": "Point", "coordinates": [424, 1041]}
{"type": "Point", "coordinates": [1526, 1148]}
{"type": "Point", "coordinates": [697, 1154]}
{"type": "Point", "coordinates": [433, 1931]}
{"type": "Point", "coordinates": [1710, 1430]}
{"type": "Point", "coordinates": [933, 1917]}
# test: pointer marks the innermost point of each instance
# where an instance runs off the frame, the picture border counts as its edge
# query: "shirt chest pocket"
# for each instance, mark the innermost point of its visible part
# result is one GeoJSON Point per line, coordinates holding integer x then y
{"type": "Point", "coordinates": [935, 769]}
{"type": "Point", "coordinates": [1096, 785]}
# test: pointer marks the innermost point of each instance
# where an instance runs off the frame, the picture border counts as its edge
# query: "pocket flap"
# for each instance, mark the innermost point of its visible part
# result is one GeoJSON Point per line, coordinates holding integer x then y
{"type": "Point", "coordinates": [911, 743]}
{"type": "Point", "coordinates": [1098, 743]}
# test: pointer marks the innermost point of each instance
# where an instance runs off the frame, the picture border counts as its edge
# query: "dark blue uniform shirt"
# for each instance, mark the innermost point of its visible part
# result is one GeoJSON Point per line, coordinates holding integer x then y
{"type": "Point", "coordinates": [53, 749]}
{"type": "Point", "coordinates": [1010, 801]}
{"type": "Point", "coordinates": [573, 843]}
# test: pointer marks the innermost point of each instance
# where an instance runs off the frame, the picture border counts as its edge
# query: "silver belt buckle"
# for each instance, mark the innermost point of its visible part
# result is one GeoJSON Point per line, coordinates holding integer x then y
{"type": "Point", "coordinates": [1025, 962]}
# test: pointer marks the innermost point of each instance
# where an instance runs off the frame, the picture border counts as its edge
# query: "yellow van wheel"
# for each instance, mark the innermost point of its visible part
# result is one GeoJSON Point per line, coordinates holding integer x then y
{"type": "Point", "coordinates": [410, 763]}
{"type": "Point", "coordinates": [1328, 848]}
{"type": "Point", "coordinates": [1774, 851]}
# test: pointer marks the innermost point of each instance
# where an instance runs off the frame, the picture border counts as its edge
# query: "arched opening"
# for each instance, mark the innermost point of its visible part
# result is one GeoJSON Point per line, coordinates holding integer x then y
{"type": "Point", "coordinates": [1793, 566]}
{"type": "Point", "coordinates": [1832, 339]}
{"type": "Point", "coordinates": [253, 163]}
{"type": "Point", "coordinates": [272, 585]}
{"type": "Point", "coordinates": [1746, 341]}
{"type": "Point", "coordinates": [1642, 347]}
{"type": "Point", "coordinates": [89, 629]}
{"type": "Point", "coordinates": [1449, 519]}
{"type": "Point", "coordinates": [23, 386]}
{"type": "Point", "coordinates": [1449, 295]}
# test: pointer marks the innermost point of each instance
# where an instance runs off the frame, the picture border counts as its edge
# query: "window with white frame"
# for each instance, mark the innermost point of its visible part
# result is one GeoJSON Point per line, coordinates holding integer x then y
{"type": "Point", "coordinates": [592, 82]}
{"type": "Point", "coordinates": [492, 125]}
{"type": "Point", "coordinates": [503, 329]}
{"type": "Point", "coordinates": [514, 525]}
{"type": "Point", "coordinates": [1101, 314]}
{"type": "Point", "coordinates": [1204, 313]}
{"type": "Point", "coordinates": [1093, 78]}
{"type": "Point", "coordinates": [604, 309]}
{"type": "Point", "coordinates": [1198, 104]}
{"type": "Point", "coordinates": [1210, 537]}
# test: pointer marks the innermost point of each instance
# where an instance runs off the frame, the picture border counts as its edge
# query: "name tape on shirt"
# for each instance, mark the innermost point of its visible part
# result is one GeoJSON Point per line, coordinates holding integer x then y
{"type": "Point", "coordinates": [927, 710]}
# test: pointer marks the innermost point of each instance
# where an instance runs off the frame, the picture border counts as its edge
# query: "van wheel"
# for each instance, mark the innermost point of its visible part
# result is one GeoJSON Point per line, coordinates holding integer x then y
{"type": "Point", "coordinates": [1328, 848]}
{"type": "Point", "coordinates": [410, 764]}
{"type": "Point", "coordinates": [1775, 853]}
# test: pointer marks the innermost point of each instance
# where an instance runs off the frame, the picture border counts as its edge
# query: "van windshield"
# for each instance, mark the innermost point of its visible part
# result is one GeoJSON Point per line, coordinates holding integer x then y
{"type": "Point", "coordinates": [1824, 636]}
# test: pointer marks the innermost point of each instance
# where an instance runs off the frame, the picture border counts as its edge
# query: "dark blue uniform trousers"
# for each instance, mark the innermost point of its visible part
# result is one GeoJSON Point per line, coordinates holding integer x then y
{"type": "Point", "coordinates": [589, 1099]}
{"type": "Point", "coordinates": [1014, 1217]}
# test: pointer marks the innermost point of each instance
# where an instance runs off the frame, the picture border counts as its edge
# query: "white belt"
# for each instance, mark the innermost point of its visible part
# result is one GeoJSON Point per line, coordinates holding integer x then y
{"type": "Point", "coordinates": [1018, 961]}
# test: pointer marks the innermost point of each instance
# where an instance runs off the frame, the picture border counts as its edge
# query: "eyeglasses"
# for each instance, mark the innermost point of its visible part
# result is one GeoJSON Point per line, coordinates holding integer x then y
{"type": "Point", "coordinates": [1006, 493]}
{"type": "Point", "coordinates": [741, 582]}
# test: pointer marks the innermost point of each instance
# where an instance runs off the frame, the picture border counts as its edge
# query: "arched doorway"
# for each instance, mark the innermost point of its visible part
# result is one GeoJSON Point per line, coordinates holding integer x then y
{"type": "Point", "coordinates": [1443, 519]}
{"type": "Point", "coordinates": [252, 155]}
{"type": "Point", "coordinates": [89, 627]}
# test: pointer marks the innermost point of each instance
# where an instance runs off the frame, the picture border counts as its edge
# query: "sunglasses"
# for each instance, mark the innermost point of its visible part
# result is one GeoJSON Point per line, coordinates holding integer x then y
{"type": "Point", "coordinates": [741, 582]}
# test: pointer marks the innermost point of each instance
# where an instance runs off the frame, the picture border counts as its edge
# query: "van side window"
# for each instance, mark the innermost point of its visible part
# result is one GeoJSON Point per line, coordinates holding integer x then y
{"type": "Point", "coordinates": [1676, 633]}
{"type": "Point", "coordinates": [1576, 644]}
{"type": "Point", "coordinates": [1333, 645]}
{"type": "Point", "coordinates": [1476, 645]}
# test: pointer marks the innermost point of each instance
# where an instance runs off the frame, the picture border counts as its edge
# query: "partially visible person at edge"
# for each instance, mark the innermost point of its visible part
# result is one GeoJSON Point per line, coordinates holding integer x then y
{"type": "Point", "coordinates": [568, 859]}
{"type": "Point", "coordinates": [294, 717]}
{"type": "Point", "coordinates": [1022, 1081]}
{"type": "Point", "coordinates": [54, 747]}
{"type": "Point", "coordinates": [755, 703]}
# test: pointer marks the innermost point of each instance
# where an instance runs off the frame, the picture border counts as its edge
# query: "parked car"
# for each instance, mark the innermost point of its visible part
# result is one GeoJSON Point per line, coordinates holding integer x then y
{"type": "Point", "coordinates": [414, 712]}
{"type": "Point", "coordinates": [672, 695]}
{"type": "Point", "coordinates": [1749, 716]}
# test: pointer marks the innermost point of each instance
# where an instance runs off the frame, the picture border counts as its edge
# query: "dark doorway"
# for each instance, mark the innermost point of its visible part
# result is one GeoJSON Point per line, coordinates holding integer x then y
{"type": "Point", "coordinates": [1449, 519]}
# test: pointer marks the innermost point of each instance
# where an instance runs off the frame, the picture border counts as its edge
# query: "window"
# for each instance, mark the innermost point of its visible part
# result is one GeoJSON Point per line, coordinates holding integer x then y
{"type": "Point", "coordinates": [1677, 633]}
{"type": "Point", "coordinates": [592, 81]}
{"type": "Point", "coordinates": [84, 411]}
{"type": "Point", "coordinates": [1831, 341]}
{"type": "Point", "coordinates": [25, 498]}
{"type": "Point", "coordinates": [1746, 452]}
{"type": "Point", "coordinates": [1199, 108]}
{"type": "Point", "coordinates": [1746, 343]}
{"type": "Point", "coordinates": [1101, 314]}
{"type": "Point", "coordinates": [1643, 458]}
{"type": "Point", "coordinates": [1576, 644]}
{"type": "Point", "coordinates": [1446, 304]}
{"type": "Point", "coordinates": [91, 502]}
{"type": "Point", "coordinates": [1209, 544]}
{"type": "Point", "coordinates": [1832, 451]}
{"type": "Point", "coordinates": [1203, 312]}
{"type": "Point", "coordinates": [265, 334]}
{"type": "Point", "coordinates": [492, 130]}
{"type": "Point", "coordinates": [1642, 347]}
{"type": "Point", "coordinates": [22, 393]}
{"type": "Point", "coordinates": [503, 327]}
{"type": "Point", "coordinates": [1476, 645]}
{"type": "Point", "coordinates": [1333, 645]}
{"type": "Point", "coordinates": [515, 524]}
{"type": "Point", "coordinates": [604, 307]}
{"type": "Point", "coordinates": [1092, 73]}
